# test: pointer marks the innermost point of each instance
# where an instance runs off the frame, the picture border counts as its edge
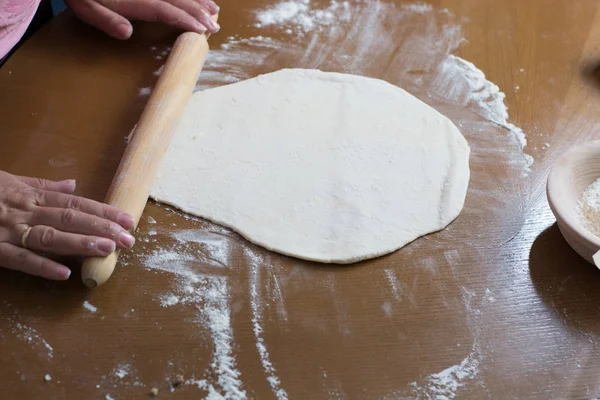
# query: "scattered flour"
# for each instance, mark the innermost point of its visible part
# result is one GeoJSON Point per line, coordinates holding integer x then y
{"type": "Point", "coordinates": [467, 85]}
{"type": "Point", "coordinates": [90, 307]}
{"type": "Point", "coordinates": [256, 264]}
{"type": "Point", "coordinates": [159, 71]}
{"type": "Point", "coordinates": [209, 294]}
{"type": "Point", "coordinates": [393, 282]}
{"type": "Point", "coordinates": [588, 208]}
{"type": "Point", "coordinates": [217, 316]}
{"type": "Point", "coordinates": [145, 91]}
{"type": "Point", "coordinates": [215, 246]}
{"type": "Point", "coordinates": [32, 337]}
{"type": "Point", "coordinates": [169, 300]}
{"type": "Point", "coordinates": [444, 385]}
{"type": "Point", "coordinates": [122, 371]}
{"type": "Point", "coordinates": [488, 296]}
{"type": "Point", "coordinates": [418, 8]}
{"type": "Point", "coordinates": [387, 309]}
{"type": "Point", "coordinates": [300, 17]}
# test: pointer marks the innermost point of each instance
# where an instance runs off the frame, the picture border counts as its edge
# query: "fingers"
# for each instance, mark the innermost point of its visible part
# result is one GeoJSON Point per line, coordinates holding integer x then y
{"type": "Point", "coordinates": [66, 186]}
{"type": "Point", "coordinates": [76, 222]}
{"type": "Point", "coordinates": [23, 260]}
{"type": "Point", "coordinates": [212, 8]}
{"type": "Point", "coordinates": [99, 16]}
{"type": "Point", "coordinates": [112, 16]}
{"type": "Point", "coordinates": [49, 240]}
{"type": "Point", "coordinates": [160, 11]}
{"type": "Point", "coordinates": [199, 11]}
{"type": "Point", "coordinates": [101, 210]}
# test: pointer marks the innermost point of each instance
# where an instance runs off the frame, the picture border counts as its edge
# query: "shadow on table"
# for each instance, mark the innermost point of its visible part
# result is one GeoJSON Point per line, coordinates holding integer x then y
{"type": "Point", "coordinates": [36, 297]}
{"type": "Point", "coordinates": [566, 283]}
{"type": "Point", "coordinates": [591, 72]}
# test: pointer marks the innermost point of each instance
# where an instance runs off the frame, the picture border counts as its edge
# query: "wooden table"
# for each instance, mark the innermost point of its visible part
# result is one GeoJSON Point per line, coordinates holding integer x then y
{"type": "Point", "coordinates": [496, 306]}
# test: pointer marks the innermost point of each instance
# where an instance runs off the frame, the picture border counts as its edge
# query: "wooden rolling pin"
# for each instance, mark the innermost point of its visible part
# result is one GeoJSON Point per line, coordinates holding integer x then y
{"type": "Point", "coordinates": [130, 187]}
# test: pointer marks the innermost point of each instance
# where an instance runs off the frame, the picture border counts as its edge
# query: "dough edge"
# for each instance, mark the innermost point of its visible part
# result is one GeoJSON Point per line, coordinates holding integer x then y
{"type": "Point", "coordinates": [448, 202]}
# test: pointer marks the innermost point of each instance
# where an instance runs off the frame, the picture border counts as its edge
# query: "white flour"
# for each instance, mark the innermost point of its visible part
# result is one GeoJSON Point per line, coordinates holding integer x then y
{"type": "Point", "coordinates": [145, 91]}
{"type": "Point", "coordinates": [300, 18]}
{"type": "Point", "coordinates": [217, 315]}
{"type": "Point", "coordinates": [122, 371]}
{"type": "Point", "coordinates": [588, 208]}
{"type": "Point", "coordinates": [33, 338]}
{"type": "Point", "coordinates": [444, 385]}
{"type": "Point", "coordinates": [210, 295]}
{"type": "Point", "coordinates": [467, 85]}
{"type": "Point", "coordinates": [393, 282]}
{"type": "Point", "coordinates": [90, 307]}
{"type": "Point", "coordinates": [256, 265]}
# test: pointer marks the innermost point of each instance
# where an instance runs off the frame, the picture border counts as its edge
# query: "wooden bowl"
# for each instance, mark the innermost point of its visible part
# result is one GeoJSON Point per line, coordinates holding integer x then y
{"type": "Point", "coordinates": [571, 174]}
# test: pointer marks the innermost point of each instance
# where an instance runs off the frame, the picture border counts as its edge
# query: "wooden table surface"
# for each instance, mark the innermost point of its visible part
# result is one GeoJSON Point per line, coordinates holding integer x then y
{"type": "Point", "coordinates": [496, 306]}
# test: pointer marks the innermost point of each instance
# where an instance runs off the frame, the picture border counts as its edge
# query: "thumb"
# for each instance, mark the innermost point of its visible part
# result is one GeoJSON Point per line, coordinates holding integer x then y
{"type": "Point", "coordinates": [98, 16]}
{"type": "Point", "coordinates": [67, 186]}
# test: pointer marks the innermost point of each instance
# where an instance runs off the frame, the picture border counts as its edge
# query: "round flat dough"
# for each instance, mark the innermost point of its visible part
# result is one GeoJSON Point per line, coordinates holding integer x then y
{"type": "Point", "coordinates": [321, 166]}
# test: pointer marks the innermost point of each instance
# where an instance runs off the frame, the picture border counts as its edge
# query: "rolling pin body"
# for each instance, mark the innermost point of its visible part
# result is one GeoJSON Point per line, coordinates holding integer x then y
{"type": "Point", "coordinates": [136, 173]}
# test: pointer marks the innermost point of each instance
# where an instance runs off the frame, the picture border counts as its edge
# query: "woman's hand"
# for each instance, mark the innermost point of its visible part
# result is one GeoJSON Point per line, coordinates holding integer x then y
{"type": "Point", "coordinates": [112, 16]}
{"type": "Point", "coordinates": [40, 217]}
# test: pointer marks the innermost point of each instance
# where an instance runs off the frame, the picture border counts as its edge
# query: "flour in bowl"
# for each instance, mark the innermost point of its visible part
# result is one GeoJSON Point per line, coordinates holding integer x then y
{"type": "Point", "coordinates": [588, 208]}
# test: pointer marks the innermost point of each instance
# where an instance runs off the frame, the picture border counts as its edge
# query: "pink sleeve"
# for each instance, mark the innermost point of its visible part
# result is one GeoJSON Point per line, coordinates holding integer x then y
{"type": "Point", "coordinates": [15, 17]}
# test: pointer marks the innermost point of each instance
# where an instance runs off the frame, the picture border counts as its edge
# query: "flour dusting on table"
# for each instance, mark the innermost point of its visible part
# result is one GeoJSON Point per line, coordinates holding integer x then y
{"type": "Point", "coordinates": [121, 371]}
{"type": "Point", "coordinates": [256, 265]}
{"type": "Point", "coordinates": [33, 338]}
{"type": "Point", "coordinates": [209, 294]}
{"type": "Point", "coordinates": [444, 385]}
{"type": "Point", "coordinates": [90, 307]}
{"type": "Point", "coordinates": [393, 282]}
{"type": "Point", "coordinates": [415, 43]}
{"type": "Point", "coordinates": [300, 18]}
{"type": "Point", "coordinates": [468, 85]}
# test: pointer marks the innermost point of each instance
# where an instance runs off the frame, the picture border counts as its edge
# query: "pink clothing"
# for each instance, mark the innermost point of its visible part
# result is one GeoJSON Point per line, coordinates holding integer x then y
{"type": "Point", "coordinates": [15, 17]}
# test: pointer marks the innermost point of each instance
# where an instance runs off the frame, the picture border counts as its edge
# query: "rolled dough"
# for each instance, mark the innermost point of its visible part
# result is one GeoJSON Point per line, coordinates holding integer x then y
{"type": "Point", "coordinates": [321, 166]}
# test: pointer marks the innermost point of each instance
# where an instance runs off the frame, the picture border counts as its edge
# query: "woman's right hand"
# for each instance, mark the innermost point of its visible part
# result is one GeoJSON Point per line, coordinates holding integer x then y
{"type": "Point", "coordinates": [113, 16]}
{"type": "Point", "coordinates": [39, 217]}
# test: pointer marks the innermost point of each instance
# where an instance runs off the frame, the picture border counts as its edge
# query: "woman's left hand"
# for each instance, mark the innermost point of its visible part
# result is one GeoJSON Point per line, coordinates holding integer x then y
{"type": "Point", "coordinates": [113, 16]}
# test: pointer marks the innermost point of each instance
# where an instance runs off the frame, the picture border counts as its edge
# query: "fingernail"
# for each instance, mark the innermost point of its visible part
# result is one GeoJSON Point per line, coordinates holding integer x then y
{"type": "Point", "coordinates": [201, 28]}
{"type": "Point", "coordinates": [106, 246]}
{"type": "Point", "coordinates": [125, 30]}
{"type": "Point", "coordinates": [65, 273]}
{"type": "Point", "coordinates": [125, 220]}
{"type": "Point", "coordinates": [126, 240]}
{"type": "Point", "coordinates": [215, 7]}
{"type": "Point", "coordinates": [69, 185]}
{"type": "Point", "coordinates": [212, 23]}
